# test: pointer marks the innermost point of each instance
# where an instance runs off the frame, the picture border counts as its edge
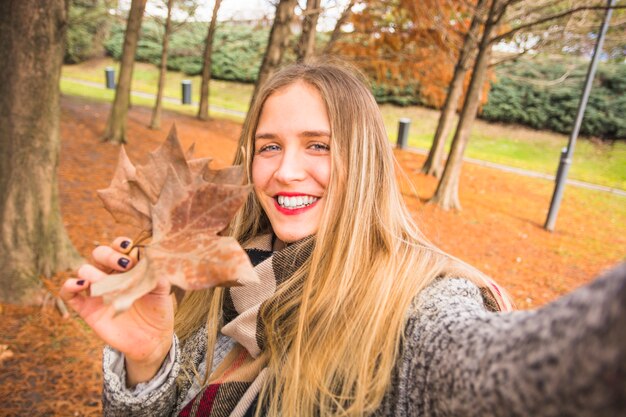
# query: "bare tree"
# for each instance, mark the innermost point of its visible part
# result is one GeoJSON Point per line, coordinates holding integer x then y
{"type": "Point", "coordinates": [434, 161]}
{"type": "Point", "coordinates": [116, 125]}
{"type": "Point", "coordinates": [306, 44]}
{"type": "Point", "coordinates": [447, 194]}
{"type": "Point", "coordinates": [33, 241]}
{"type": "Point", "coordinates": [169, 27]}
{"type": "Point", "coordinates": [345, 15]}
{"type": "Point", "coordinates": [203, 110]}
{"type": "Point", "coordinates": [155, 122]}
{"type": "Point", "coordinates": [278, 41]}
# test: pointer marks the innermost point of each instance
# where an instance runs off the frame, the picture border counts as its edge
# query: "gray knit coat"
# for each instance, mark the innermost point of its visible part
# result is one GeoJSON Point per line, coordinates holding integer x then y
{"type": "Point", "coordinates": [459, 359]}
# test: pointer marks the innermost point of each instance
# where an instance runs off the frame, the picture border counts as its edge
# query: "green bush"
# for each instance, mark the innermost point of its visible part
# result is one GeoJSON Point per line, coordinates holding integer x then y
{"type": "Point", "coordinates": [88, 23]}
{"type": "Point", "coordinates": [523, 94]}
{"type": "Point", "coordinates": [407, 95]}
{"type": "Point", "coordinates": [237, 50]}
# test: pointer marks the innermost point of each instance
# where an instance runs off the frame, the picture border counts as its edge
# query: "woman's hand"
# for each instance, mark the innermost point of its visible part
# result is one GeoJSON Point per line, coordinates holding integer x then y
{"type": "Point", "coordinates": [144, 332]}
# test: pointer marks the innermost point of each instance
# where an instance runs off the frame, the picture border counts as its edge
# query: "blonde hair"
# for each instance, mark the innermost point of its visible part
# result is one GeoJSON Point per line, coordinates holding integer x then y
{"type": "Point", "coordinates": [334, 336]}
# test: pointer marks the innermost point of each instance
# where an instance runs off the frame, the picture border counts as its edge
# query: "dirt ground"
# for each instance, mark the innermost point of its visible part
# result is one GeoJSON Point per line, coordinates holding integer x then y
{"type": "Point", "coordinates": [50, 366]}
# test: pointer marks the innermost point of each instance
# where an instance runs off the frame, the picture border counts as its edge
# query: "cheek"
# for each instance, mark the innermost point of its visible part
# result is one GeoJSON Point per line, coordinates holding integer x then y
{"type": "Point", "coordinates": [259, 177]}
{"type": "Point", "coordinates": [321, 172]}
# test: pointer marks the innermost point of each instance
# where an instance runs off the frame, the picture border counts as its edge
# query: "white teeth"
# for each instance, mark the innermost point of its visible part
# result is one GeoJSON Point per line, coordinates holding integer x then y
{"type": "Point", "coordinates": [295, 202]}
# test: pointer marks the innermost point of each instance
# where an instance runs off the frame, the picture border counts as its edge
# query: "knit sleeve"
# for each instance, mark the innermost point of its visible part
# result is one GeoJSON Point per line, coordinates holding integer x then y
{"type": "Point", "coordinates": [565, 359]}
{"type": "Point", "coordinates": [156, 397]}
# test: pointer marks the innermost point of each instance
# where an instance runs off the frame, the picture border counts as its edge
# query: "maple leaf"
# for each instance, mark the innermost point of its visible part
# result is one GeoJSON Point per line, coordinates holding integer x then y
{"type": "Point", "coordinates": [123, 199]}
{"type": "Point", "coordinates": [184, 205]}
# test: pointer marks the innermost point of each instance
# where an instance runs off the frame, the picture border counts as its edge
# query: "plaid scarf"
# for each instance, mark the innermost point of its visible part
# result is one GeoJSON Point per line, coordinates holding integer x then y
{"type": "Point", "coordinates": [235, 384]}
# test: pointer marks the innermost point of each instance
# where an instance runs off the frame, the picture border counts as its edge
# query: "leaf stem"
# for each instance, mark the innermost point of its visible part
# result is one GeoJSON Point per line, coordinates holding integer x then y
{"type": "Point", "coordinates": [140, 238]}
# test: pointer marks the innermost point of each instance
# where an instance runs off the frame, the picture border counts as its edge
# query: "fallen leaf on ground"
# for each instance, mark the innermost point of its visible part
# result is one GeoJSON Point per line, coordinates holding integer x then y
{"type": "Point", "coordinates": [5, 353]}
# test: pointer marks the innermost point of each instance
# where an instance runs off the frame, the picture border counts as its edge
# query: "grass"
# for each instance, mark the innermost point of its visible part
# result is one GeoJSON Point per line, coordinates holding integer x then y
{"type": "Point", "coordinates": [74, 88]}
{"type": "Point", "coordinates": [233, 96]}
{"type": "Point", "coordinates": [511, 145]}
{"type": "Point", "coordinates": [520, 147]}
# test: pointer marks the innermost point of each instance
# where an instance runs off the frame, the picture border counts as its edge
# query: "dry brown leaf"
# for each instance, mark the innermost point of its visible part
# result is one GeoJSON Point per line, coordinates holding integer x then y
{"type": "Point", "coordinates": [126, 203]}
{"type": "Point", "coordinates": [5, 353]}
{"type": "Point", "coordinates": [187, 205]}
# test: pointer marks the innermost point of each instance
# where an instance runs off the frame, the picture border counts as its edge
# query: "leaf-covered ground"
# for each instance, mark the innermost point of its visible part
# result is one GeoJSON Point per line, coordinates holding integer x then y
{"type": "Point", "coordinates": [50, 366]}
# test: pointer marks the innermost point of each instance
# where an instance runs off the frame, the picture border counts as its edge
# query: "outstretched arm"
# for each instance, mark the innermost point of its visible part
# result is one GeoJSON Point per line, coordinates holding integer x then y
{"type": "Point", "coordinates": [565, 359]}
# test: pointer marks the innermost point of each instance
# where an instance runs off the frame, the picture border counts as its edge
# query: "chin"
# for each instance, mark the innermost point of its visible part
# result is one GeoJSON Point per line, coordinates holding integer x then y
{"type": "Point", "coordinates": [290, 237]}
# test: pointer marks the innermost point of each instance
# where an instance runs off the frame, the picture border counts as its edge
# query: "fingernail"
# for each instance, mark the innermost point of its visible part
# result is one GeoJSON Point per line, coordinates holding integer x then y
{"type": "Point", "coordinates": [125, 244]}
{"type": "Point", "coordinates": [80, 282]}
{"type": "Point", "coordinates": [123, 262]}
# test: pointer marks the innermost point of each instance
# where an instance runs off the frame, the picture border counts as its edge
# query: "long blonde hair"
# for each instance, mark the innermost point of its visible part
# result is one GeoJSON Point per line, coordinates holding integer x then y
{"type": "Point", "coordinates": [333, 342]}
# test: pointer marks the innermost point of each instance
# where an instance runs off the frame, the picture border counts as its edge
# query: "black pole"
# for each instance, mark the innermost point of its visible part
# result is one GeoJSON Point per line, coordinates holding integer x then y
{"type": "Point", "coordinates": [186, 91]}
{"type": "Point", "coordinates": [403, 133]}
{"type": "Point", "coordinates": [109, 73]}
{"type": "Point", "coordinates": [568, 153]}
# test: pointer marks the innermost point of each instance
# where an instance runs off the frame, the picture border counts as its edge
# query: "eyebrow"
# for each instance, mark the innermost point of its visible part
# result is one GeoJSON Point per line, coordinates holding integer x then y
{"type": "Point", "coordinates": [306, 133]}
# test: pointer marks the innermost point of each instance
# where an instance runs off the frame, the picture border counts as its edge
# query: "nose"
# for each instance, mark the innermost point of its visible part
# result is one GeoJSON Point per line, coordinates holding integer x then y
{"type": "Point", "coordinates": [292, 167]}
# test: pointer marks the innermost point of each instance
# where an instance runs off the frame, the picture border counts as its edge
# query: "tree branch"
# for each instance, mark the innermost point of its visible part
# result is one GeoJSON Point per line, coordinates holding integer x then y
{"type": "Point", "coordinates": [540, 83]}
{"type": "Point", "coordinates": [509, 58]}
{"type": "Point", "coordinates": [499, 14]}
{"type": "Point", "coordinates": [524, 12]}
{"type": "Point", "coordinates": [498, 38]}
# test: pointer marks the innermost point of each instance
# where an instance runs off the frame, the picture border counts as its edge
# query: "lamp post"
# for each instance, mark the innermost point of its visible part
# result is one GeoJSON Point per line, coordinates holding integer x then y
{"type": "Point", "coordinates": [568, 153]}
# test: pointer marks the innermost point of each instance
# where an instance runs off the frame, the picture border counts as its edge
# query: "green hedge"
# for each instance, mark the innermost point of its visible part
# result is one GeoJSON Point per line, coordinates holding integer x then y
{"type": "Point", "coordinates": [523, 94]}
{"type": "Point", "coordinates": [87, 28]}
{"type": "Point", "coordinates": [407, 95]}
{"type": "Point", "coordinates": [237, 50]}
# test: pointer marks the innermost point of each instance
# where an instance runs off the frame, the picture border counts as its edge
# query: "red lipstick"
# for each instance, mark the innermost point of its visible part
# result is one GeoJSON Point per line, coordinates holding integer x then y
{"type": "Point", "coordinates": [292, 212]}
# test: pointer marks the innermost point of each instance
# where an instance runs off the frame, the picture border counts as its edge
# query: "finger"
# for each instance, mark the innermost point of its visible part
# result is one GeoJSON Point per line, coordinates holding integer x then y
{"type": "Point", "coordinates": [110, 258]}
{"type": "Point", "coordinates": [126, 246]}
{"type": "Point", "coordinates": [72, 287]}
{"type": "Point", "coordinates": [123, 244]}
{"type": "Point", "coordinates": [134, 254]}
{"type": "Point", "coordinates": [90, 274]}
{"type": "Point", "coordinates": [73, 291]}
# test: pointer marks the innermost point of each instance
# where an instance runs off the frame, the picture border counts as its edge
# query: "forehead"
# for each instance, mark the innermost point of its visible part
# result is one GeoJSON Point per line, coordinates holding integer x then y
{"type": "Point", "coordinates": [295, 107]}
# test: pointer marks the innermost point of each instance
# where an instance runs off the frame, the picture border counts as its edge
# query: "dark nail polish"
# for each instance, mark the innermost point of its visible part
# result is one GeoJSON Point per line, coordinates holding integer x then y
{"type": "Point", "coordinates": [80, 282]}
{"type": "Point", "coordinates": [125, 244]}
{"type": "Point", "coordinates": [123, 262]}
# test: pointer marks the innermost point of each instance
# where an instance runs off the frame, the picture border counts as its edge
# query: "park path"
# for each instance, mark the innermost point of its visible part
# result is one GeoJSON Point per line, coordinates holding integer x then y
{"type": "Point", "coordinates": [421, 151]}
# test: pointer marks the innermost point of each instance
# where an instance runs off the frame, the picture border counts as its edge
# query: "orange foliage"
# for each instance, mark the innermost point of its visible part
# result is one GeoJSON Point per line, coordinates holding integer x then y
{"type": "Point", "coordinates": [408, 43]}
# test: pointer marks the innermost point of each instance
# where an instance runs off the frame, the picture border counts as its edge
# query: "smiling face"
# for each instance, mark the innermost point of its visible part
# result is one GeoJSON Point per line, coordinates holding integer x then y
{"type": "Point", "coordinates": [291, 163]}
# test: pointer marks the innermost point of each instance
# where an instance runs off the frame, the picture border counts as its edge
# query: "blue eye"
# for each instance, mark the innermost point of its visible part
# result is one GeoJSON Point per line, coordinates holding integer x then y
{"type": "Point", "coordinates": [269, 148]}
{"type": "Point", "coordinates": [320, 147]}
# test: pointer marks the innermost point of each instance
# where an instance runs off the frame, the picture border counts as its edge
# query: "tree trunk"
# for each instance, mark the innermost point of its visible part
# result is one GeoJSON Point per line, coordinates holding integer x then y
{"type": "Point", "coordinates": [116, 125]}
{"type": "Point", "coordinates": [155, 123]}
{"type": "Point", "coordinates": [306, 44]}
{"type": "Point", "coordinates": [434, 161]}
{"type": "Point", "coordinates": [447, 193]}
{"type": "Point", "coordinates": [33, 241]}
{"type": "Point", "coordinates": [277, 44]}
{"type": "Point", "coordinates": [328, 49]}
{"type": "Point", "coordinates": [203, 110]}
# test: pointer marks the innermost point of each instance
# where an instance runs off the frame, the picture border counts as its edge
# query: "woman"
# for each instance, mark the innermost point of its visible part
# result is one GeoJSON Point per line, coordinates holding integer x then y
{"type": "Point", "coordinates": [356, 313]}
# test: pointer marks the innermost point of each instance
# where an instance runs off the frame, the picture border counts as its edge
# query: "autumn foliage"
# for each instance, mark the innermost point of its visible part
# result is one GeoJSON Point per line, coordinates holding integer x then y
{"type": "Point", "coordinates": [409, 44]}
